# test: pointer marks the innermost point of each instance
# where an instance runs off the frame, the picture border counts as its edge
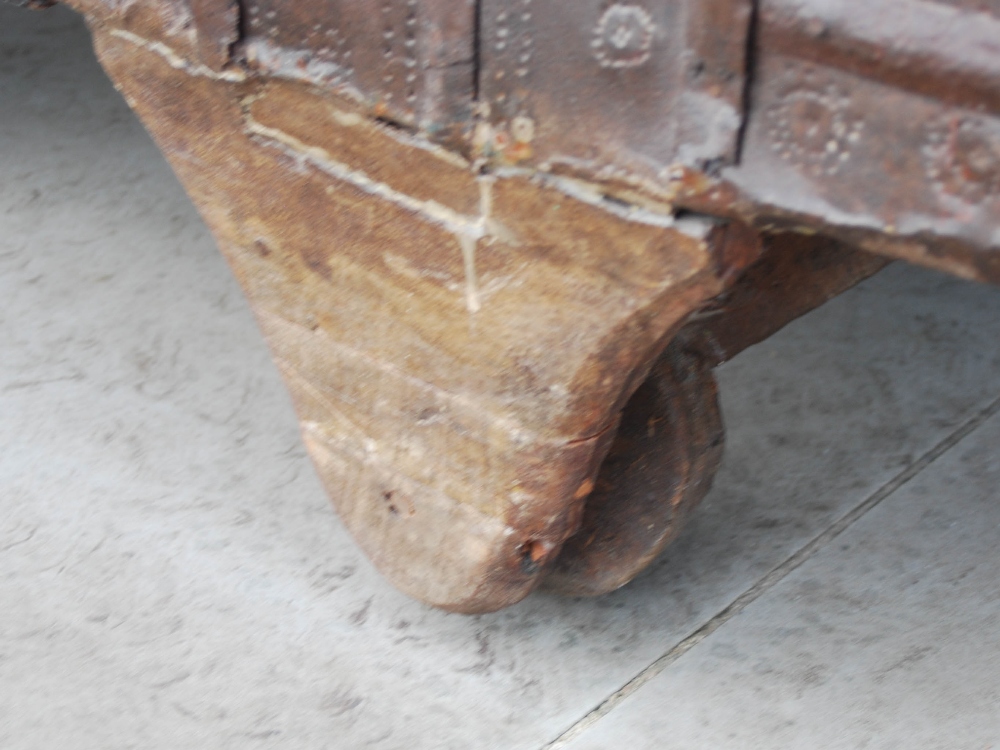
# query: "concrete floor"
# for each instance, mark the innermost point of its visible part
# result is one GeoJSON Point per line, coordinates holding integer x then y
{"type": "Point", "coordinates": [172, 576]}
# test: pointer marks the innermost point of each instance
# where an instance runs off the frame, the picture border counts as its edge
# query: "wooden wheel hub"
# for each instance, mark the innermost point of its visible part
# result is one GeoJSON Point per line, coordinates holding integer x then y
{"type": "Point", "coordinates": [660, 465]}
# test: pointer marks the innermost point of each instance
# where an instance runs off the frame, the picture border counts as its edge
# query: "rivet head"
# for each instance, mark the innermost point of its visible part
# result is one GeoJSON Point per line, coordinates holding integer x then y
{"type": "Point", "coordinates": [623, 37]}
{"type": "Point", "coordinates": [962, 157]}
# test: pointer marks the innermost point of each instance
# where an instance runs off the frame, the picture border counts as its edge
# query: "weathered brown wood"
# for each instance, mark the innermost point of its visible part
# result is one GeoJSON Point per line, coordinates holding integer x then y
{"type": "Point", "coordinates": [458, 347]}
{"type": "Point", "coordinates": [471, 230]}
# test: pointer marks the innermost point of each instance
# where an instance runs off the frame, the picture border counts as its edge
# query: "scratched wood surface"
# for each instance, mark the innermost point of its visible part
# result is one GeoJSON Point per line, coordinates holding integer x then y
{"type": "Point", "coordinates": [458, 347]}
{"type": "Point", "coordinates": [493, 244]}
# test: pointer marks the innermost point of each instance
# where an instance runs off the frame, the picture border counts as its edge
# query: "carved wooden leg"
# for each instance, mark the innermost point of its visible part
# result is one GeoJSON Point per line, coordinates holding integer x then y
{"type": "Point", "coordinates": [497, 335]}
{"type": "Point", "coordinates": [463, 348]}
{"type": "Point", "coordinates": [458, 346]}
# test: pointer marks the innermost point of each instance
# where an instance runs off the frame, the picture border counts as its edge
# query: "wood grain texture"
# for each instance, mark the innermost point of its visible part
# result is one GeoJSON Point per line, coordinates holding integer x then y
{"type": "Point", "coordinates": [459, 348]}
{"type": "Point", "coordinates": [460, 236]}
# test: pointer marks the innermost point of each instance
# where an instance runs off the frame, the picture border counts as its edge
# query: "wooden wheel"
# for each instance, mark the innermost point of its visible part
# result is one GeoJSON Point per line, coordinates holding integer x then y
{"type": "Point", "coordinates": [661, 464]}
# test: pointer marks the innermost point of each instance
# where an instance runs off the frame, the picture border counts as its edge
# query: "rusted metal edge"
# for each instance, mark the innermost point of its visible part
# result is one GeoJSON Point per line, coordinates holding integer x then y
{"type": "Point", "coordinates": [928, 48]}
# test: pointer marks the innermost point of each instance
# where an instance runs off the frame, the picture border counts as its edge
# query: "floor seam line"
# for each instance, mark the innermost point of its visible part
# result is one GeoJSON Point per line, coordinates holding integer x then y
{"type": "Point", "coordinates": [775, 576]}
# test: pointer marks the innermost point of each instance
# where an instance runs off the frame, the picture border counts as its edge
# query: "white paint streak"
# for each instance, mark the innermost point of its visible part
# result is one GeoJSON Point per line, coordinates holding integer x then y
{"type": "Point", "coordinates": [176, 61]}
{"type": "Point", "coordinates": [486, 197]}
{"type": "Point", "coordinates": [452, 220]}
{"type": "Point", "coordinates": [472, 300]}
{"type": "Point", "coordinates": [469, 230]}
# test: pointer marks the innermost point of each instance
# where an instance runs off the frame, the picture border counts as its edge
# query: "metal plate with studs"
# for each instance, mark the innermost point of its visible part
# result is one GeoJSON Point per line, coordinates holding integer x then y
{"type": "Point", "coordinates": [886, 121]}
{"type": "Point", "coordinates": [636, 86]}
{"type": "Point", "coordinates": [412, 61]}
